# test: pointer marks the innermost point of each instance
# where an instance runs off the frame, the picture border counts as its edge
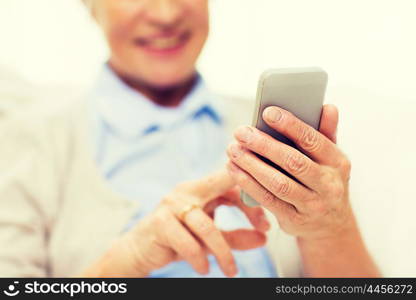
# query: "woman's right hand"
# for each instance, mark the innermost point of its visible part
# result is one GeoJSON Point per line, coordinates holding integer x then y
{"type": "Point", "coordinates": [182, 228]}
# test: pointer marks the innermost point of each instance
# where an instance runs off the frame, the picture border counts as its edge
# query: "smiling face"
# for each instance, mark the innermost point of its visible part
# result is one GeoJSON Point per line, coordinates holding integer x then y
{"type": "Point", "coordinates": [154, 42]}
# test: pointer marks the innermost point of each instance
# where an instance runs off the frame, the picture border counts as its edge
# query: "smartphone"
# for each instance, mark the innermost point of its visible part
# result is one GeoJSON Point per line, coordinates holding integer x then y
{"type": "Point", "coordinates": [300, 91]}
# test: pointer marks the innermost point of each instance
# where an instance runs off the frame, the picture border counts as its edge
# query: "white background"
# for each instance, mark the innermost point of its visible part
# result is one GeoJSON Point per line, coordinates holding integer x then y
{"type": "Point", "coordinates": [368, 48]}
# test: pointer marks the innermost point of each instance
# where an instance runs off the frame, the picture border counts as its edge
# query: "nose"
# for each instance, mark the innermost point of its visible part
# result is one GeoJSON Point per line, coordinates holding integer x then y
{"type": "Point", "coordinates": [164, 13]}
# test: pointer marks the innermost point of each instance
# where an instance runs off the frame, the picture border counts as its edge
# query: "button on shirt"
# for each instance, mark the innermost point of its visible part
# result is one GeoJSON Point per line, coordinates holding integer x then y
{"type": "Point", "coordinates": [144, 150]}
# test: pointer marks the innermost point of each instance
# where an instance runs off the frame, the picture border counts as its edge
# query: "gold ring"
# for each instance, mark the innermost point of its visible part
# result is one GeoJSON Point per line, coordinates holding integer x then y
{"type": "Point", "coordinates": [187, 209]}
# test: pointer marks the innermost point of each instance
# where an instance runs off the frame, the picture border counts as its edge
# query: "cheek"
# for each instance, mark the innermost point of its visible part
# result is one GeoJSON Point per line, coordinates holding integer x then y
{"type": "Point", "coordinates": [199, 20]}
{"type": "Point", "coordinates": [203, 29]}
{"type": "Point", "coordinates": [200, 17]}
{"type": "Point", "coordinates": [118, 26]}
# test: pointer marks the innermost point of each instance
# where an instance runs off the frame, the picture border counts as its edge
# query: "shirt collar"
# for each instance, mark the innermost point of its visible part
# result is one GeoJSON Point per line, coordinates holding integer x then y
{"type": "Point", "coordinates": [130, 114]}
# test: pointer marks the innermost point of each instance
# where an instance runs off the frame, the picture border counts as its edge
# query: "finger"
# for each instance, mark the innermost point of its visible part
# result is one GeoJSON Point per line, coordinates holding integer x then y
{"type": "Point", "coordinates": [227, 198]}
{"type": "Point", "coordinates": [185, 245]}
{"type": "Point", "coordinates": [273, 180]}
{"type": "Point", "coordinates": [259, 193]}
{"type": "Point", "coordinates": [211, 206]}
{"type": "Point", "coordinates": [204, 228]}
{"type": "Point", "coordinates": [210, 187]}
{"type": "Point", "coordinates": [255, 215]}
{"type": "Point", "coordinates": [329, 122]}
{"type": "Point", "coordinates": [312, 142]}
{"type": "Point", "coordinates": [244, 239]}
{"type": "Point", "coordinates": [290, 159]}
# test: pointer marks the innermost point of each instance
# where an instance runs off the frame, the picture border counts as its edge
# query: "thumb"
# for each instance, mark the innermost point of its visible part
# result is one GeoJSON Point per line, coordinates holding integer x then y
{"type": "Point", "coordinates": [244, 239]}
{"type": "Point", "coordinates": [329, 122]}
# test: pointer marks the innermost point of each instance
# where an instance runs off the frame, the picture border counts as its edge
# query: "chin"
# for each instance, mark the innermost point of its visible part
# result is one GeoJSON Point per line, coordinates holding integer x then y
{"type": "Point", "coordinates": [165, 80]}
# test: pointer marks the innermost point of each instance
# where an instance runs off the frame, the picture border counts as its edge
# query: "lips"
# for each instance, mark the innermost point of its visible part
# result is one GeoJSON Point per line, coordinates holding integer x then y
{"type": "Point", "coordinates": [164, 42]}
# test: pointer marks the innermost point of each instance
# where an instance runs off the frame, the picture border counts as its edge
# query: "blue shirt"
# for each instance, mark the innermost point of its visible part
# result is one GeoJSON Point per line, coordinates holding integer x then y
{"type": "Point", "coordinates": [145, 150]}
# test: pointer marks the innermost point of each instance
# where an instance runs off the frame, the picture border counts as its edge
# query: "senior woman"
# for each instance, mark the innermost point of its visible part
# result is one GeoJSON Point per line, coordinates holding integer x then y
{"type": "Point", "coordinates": [108, 186]}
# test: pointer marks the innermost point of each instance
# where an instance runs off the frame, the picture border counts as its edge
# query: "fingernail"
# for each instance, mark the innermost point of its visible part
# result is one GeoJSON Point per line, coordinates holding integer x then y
{"type": "Point", "coordinates": [235, 150]}
{"type": "Point", "coordinates": [244, 134]}
{"type": "Point", "coordinates": [273, 114]}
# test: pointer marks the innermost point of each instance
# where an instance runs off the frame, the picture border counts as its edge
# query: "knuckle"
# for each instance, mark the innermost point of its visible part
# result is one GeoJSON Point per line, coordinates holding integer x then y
{"type": "Point", "coordinates": [333, 186]}
{"type": "Point", "coordinates": [236, 152]}
{"type": "Point", "coordinates": [297, 164]}
{"type": "Point", "coordinates": [337, 189]}
{"type": "Point", "coordinates": [242, 179]}
{"type": "Point", "coordinates": [327, 177]}
{"type": "Point", "coordinates": [230, 152]}
{"type": "Point", "coordinates": [309, 139]}
{"type": "Point", "coordinates": [269, 199]}
{"type": "Point", "coordinates": [345, 166]}
{"type": "Point", "coordinates": [280, 185]}
{"type": "Point", "coordinates": [263, 145]}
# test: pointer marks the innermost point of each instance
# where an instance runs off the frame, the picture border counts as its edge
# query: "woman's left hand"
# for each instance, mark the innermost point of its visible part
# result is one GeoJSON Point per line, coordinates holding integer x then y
{"type": "Point", "coordinates": [317, 208]}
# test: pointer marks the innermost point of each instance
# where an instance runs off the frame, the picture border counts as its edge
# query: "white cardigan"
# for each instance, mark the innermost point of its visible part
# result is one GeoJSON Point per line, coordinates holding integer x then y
{"type": "Point", "coordinates": [57, 214]}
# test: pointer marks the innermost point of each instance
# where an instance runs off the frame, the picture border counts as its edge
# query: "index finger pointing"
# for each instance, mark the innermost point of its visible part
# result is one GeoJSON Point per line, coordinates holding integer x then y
{"type": "Point", "coordinates": [209, 187]}
{"type": "Point", "coordinates": [311, 141]}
